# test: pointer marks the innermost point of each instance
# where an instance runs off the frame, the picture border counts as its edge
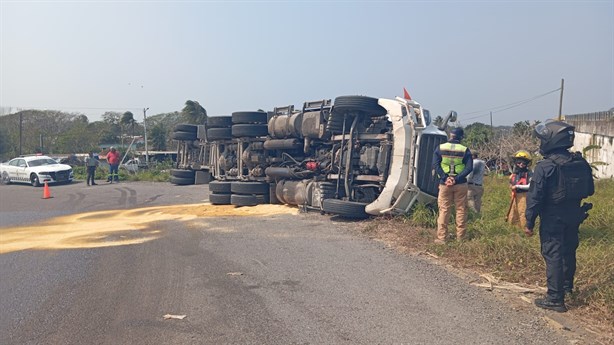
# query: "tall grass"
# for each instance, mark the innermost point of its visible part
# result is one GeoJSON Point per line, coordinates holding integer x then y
{"type": "Point", "coordinates": [499, 248]}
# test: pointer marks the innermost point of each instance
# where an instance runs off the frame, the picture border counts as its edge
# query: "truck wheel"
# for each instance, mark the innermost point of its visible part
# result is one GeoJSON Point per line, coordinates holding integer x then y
{"type": "Point", "coordinates": [219, 121]}
{"type": "Point", "coordinates": [345, 209]}
{"type": "Point", "coordinates": [219, 134]}
{"type": "Point", "coordinates": [249, 130]}
{"type": "Point", "coordinates": [248, 200]}
{"type": "Point", "coordinates": [185, 173]}
{"type": "Point", "coordinates": [249, 188]}
{"type": "Point", "coordinates": [187, 136]}
{"type": "Point", "coordinates": [367, 105]}
{"type": "Point", "coordinates": [184, 127]}
{"type": "Point", "coordinates": [181, 181]}
{"type": "Point", "coordinates": [220, 187]}
{"type": "Point", "coordinates": [259, 117]}
{"type": "Point", "coordinates": [219, 199]}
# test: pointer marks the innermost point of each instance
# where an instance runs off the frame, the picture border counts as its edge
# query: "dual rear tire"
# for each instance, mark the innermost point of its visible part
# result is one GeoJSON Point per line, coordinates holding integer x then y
{"type": "Point", "coordinates": [238, 193]}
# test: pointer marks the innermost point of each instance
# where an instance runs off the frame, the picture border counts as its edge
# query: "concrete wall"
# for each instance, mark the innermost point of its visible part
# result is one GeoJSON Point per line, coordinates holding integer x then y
{"type": "Point", "coordinates": [596, 129]}
{"type": "Point", "coordinates": [605, 154]}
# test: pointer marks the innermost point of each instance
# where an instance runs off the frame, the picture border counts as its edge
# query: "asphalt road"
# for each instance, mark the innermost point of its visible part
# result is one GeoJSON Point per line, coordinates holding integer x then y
{"type": "Point", "coordinates": [104, 264]}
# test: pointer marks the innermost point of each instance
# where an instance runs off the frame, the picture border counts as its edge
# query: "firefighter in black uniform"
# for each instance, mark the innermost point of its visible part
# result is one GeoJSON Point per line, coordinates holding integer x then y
{"type": "Point", "coordinates": [560, 182]}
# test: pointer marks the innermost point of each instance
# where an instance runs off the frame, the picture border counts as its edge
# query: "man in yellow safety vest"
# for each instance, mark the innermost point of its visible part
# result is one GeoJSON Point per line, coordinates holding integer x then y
{"type": "Point", "coordinates": [453, 162]}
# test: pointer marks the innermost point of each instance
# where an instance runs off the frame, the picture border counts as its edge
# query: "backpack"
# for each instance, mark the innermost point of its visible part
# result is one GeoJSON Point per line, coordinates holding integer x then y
{"type": "Point", "coordinates": [574, 179]}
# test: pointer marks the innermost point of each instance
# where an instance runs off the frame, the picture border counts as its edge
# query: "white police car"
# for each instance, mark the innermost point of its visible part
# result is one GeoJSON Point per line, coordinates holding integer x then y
{"type": "Point", "coordinates": [35, 170]}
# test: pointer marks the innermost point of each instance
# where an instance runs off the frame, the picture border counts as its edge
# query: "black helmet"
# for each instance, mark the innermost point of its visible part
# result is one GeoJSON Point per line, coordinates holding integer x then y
{"type": "Point", "coordinates": [554, 135]}
{"type": "Point", "coordinates": [458, 133]}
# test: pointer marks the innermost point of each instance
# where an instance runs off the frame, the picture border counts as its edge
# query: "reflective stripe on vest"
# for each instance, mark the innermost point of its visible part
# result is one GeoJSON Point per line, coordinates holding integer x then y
{"type": "Point", "coordinates": [452, 158]}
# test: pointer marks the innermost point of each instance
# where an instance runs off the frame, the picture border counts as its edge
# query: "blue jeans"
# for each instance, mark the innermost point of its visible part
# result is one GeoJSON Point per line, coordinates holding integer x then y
{"type": "Point", "coordinates": [113, 173]}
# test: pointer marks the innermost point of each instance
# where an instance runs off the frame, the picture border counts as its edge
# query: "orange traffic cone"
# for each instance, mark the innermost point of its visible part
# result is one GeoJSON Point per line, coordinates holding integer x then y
{"type": "Point", "coordinates": [46, 192]}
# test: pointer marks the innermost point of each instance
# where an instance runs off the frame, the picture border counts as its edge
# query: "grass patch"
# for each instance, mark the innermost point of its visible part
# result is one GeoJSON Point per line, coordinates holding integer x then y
{"type": "Point", "coordinates": [502, 250]}
{"type": "Point", "coordinates": [159, 172]}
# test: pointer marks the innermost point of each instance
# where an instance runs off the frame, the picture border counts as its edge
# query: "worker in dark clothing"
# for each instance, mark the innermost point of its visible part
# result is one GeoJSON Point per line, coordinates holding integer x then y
{"type": "Point", "coordinates": [559, 184]}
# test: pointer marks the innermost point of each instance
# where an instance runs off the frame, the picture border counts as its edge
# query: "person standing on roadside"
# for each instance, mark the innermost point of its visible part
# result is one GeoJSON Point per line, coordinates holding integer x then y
{"type": "Point", "coordinates": [560, 182]}
{"type": "Point", "coordinates": [91, 163]}
{"type": "Point", "coordinates": [113, 160]}
{"type": "Point", "coordinates": [452, 162]}
{"type": "Point", "coordinates": [475, 181]}
{"type": "Point", "coordinates": [520, 180]}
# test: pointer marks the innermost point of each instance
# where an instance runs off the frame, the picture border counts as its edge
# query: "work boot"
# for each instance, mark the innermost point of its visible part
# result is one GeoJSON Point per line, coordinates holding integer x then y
{"type": "Point", "coordinates": [439, 241]}
{"type": "Point", "coordinates": [549, 304]}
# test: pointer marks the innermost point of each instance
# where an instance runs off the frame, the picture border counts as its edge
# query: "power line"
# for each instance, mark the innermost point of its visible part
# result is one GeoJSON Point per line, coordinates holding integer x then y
{"type": "Point", "coordinates": [66, 108]}
{"type": "Point", "coordinates": [507, 106]}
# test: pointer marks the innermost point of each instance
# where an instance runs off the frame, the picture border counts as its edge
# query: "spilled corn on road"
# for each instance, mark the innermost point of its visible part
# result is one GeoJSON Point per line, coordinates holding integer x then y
{"type": "Point", "coordinates": [153, 263]}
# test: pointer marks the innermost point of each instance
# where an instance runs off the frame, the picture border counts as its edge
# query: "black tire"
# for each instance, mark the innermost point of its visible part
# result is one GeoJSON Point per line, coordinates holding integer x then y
{"type": "Point", "coordinates": [219, 199]}
{"type": "Point", "coordinates": [249, 188]}
{"type": "Point", "coordinates": [248, 200]}
{"type": "Point", "coordinates": [185, 136]}
{"type": "Point", "coordinates": [185, 127]}
{"type": "Point", "coordinates": [34, 181]}
{"type": "Point", "coordinates": [249, 130]}
{"type": "Point", "coordinates": [219, 134]}
{"type": "Point", "coordinates": [368, 105]}
{"type": "Point", "coordinates": [184, 173]}
{"type": "Point", "coordinates": [182, 181]}
{"type": "Point", "coordinates": [219, 122]}
{"type": "Point", "coordinates": [5, 178]}
{"type": "Point", "coordinates": [249, 117]}
{"type": "Point", "coordinates": [345, 209]}
{"type": "Point", "coordinates": [220, 187]}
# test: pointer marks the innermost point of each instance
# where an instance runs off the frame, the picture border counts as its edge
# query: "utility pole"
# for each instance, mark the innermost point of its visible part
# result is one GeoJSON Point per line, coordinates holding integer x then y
{"type": "Point", "coordinates": [145, 127]}
{"type": "Point", "coordinates": [492, 130]}
{"type": "Point", "coordinates": [561, 100]}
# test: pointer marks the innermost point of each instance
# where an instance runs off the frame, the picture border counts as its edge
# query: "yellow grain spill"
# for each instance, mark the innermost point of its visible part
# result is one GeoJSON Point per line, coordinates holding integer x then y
{"type": "Point", "coordinates": [118, 227]}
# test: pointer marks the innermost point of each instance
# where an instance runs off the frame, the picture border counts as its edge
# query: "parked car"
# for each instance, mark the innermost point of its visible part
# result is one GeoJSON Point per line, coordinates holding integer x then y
{"type": "Point", "coordinates": [133, 165]}
{"type": "Point", "coordinates": [35, 170]}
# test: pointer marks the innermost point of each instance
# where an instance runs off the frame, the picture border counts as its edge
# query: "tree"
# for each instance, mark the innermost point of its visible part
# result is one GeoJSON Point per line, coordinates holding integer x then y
{"type": "Point", "coordinates": [5, 146]}
{"type": "Point", "coordinates": [477, 134]}
{"type": "Point", "coordinates": [158, 137]}
{"type": "Point", "coordinates": [524, 128]}
{"type": "Point", "coordinates": [110, 132]}
{"type": "Point", "coordinates": [505, 142]}
{"type": "Point", "coordinates": [194, 113]}
{"type": "Point", "coordinates": [127, 120]}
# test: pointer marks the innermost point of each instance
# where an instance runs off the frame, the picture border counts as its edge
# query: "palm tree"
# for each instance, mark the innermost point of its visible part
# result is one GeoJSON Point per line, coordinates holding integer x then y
{"type": "Point", "coordinates": [127, 121]}
{"type": "Point", "coordinates": [194, 113]}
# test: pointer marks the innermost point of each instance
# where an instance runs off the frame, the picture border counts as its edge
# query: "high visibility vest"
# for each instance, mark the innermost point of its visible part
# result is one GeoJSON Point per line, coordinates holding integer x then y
{"type": "Point", "coordinates": [452, 158]}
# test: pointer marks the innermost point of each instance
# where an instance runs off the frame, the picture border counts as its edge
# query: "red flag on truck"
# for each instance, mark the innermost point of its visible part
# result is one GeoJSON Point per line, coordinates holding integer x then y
{"type": "Point", "coordinates": [406, 94]}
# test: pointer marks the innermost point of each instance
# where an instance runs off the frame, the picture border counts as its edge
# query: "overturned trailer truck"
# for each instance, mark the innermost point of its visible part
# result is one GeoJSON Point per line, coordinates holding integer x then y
{"type": "Point", "coordinates": [356, 157]}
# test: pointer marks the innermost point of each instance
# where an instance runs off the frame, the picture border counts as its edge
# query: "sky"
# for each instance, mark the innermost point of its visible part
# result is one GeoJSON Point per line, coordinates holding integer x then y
{"type": "Point", "coordinates": [474, 57]}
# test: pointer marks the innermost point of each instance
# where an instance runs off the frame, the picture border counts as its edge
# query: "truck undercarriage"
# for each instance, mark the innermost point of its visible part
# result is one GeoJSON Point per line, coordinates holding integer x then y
{"type": "Point", "coordinates": [354, 157]}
